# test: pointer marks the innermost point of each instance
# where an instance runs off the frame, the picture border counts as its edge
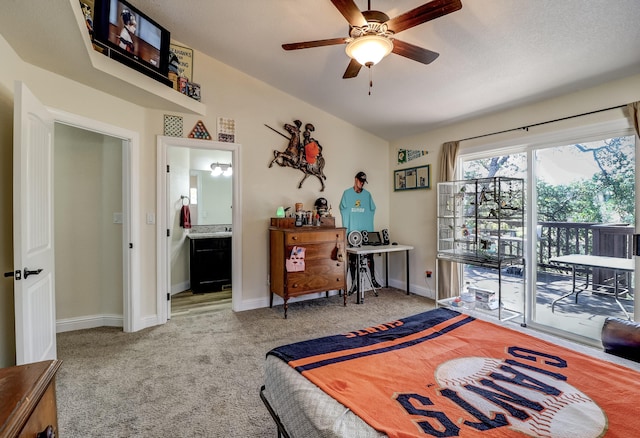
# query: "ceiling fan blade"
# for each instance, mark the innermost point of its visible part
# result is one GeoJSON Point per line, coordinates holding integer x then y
{"type": "Point", "coordinates": [352, 70]}
{"type": "Point", "coordinates": [414, 52]}
{"type": "Point", "coordinates": [421, 14]}
{"type": "Point", "coordinates": [317, 43]}
{"type": "Point", "coordinates": [350, 11]}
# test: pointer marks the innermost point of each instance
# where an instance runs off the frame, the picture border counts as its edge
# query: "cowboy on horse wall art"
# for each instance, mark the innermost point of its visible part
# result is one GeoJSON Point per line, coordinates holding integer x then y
{"type": "Point", "coordinates": [303, 152]}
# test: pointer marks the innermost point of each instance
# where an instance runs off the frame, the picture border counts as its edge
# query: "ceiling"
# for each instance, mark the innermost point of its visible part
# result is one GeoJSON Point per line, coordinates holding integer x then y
{"type": "Point", "coordinates": [494, 54]}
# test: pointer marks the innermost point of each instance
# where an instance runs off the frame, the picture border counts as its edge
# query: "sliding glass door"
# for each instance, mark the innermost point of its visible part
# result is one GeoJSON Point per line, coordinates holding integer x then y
{"type": "Point", "coordinates": [580, 209]}
{"type": "Point", "coordinates": [585, 202]}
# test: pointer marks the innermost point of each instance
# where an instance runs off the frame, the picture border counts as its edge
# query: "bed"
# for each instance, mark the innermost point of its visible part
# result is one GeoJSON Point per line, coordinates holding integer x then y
{"type": "Point", "coordinates": [442, 373]}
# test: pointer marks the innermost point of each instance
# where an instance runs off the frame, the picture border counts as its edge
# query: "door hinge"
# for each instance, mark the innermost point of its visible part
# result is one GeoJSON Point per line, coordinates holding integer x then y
{"type": "Point", "coordinates": [168, 296]}
{"type": "Point", "coordinates": [168, 232]}
{"type": "Point", "coordinates": [168, 168]}
{"type": "Point", "coordinates": [130, 245]}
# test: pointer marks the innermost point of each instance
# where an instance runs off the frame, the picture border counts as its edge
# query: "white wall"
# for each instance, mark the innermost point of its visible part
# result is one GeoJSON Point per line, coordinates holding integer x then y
{"type": "Point", "coordinates": [179, 186]}
{"type": "Point", "coordinates": [251, 103]}
{"type": "Point", "coordinates": [226, 93]}
{"type": "Point", "coordinates": [88, 244]}
{"type": "Point", "coordinates": [420, 226]}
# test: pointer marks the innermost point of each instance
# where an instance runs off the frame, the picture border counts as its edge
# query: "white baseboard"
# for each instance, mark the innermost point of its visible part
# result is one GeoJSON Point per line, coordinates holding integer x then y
{"type": "Point", "coordinates": [423, 291]}
{"type": "Point", "coordinates": [148, 321]}
{"type": "Point", "coordinates": [180, 287]}
{"type": "Point", "coordinates": [87, 322]}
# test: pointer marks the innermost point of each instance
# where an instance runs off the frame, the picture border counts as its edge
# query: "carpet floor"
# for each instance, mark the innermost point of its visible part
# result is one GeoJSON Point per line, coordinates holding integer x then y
{"type": "Point", "coordinates": [198, 375]}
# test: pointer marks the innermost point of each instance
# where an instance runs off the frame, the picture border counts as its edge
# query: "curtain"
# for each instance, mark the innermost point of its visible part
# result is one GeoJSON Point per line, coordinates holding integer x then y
{"type": "Point", "coordinates": [448, 279]}
{"type": "Point", "coordinates": [634, 115]}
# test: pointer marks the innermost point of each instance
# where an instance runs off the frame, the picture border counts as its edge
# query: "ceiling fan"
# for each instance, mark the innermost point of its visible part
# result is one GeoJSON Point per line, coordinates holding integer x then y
{"type": "Point", "coordinates": [371, 33]}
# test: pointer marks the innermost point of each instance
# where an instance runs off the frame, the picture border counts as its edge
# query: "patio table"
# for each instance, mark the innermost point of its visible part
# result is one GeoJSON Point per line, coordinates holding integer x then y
{"type": "Point", "coordinates": [617, 264]}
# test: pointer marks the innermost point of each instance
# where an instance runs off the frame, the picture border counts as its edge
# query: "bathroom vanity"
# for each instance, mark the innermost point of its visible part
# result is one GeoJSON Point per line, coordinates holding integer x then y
{"type": "Point", "coordinates": [210, 261]}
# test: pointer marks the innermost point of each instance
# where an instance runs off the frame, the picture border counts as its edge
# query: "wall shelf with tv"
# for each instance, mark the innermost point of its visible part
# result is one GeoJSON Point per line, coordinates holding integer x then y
{"type": "Point", "coordinates": [120, 80]}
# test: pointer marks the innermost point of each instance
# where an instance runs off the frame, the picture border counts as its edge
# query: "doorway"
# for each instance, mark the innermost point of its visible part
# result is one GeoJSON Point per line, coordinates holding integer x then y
{"type": "Point", "coordinates": [88, 228]}
{"type": "Point", "coordinates": [170, 235]}
{"type": "Point", "coordinates": [105, 191]}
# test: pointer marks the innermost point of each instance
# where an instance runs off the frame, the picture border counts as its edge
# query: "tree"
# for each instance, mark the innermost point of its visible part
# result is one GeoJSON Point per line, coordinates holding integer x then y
{"type": "Point", "coordinates": [607, 196]}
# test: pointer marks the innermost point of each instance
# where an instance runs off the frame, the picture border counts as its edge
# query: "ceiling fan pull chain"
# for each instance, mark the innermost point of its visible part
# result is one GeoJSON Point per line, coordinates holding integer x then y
{"type": "Point", "coordinates": [370, 80]}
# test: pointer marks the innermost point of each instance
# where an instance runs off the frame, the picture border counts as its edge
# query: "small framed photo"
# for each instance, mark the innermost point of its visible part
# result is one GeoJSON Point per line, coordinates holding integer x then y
{"type": "Point", "coordinates": [412, 178]}
{"type": "Point", "coordinates": [193, 90]}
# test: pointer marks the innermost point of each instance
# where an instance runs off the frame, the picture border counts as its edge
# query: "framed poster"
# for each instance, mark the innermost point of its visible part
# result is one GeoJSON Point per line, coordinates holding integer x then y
{"type": "Point", "coordinates": [412, 178]}
{"type": "Point", "coordinates": [185, 61]}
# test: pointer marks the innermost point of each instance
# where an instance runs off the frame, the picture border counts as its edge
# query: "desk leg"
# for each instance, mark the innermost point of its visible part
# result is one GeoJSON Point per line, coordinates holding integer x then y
{"type": "Point", "coordinates": [360, 297]}
{"type": "Point", "coordinates": [386, 269]}
{"type": "Point", "coordinates": [407, 261]}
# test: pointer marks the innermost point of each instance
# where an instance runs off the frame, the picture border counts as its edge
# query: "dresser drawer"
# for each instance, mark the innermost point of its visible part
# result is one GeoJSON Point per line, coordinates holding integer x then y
{"type": "Point", "coordinates": [299, 283]}
{"type": "Point", "coordinates": [317, 251]}
{"type": "Point", "coordinates": [306, 237]}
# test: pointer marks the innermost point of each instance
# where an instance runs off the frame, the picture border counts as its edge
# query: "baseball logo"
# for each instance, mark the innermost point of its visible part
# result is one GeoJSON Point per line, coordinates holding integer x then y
{"type": "Point", "coordinates": [546, 406]}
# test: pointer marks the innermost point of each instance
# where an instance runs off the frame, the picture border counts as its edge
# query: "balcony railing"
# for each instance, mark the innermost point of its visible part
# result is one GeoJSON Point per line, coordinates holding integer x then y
{"type": "Point", "coordinates": [562, 238]}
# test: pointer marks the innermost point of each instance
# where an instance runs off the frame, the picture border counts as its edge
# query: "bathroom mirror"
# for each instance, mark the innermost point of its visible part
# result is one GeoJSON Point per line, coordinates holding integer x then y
{"type": "Point", "coordinates": [210, 198]}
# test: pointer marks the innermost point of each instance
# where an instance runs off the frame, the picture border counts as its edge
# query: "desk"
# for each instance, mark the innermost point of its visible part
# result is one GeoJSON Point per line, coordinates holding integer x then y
{"type": "Point", "coordinates": [379, 249]}
{"type": "Point", "coordinates": [616, 264]}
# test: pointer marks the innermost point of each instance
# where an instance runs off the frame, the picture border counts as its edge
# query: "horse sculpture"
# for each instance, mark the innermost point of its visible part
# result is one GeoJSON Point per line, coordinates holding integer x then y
{"type": "Point", "coordinates": [305, 155]}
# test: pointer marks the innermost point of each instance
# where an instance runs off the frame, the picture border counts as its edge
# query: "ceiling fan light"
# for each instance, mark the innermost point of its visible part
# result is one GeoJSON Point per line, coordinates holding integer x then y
{"type": "Point", "coordinates": [369, 49]}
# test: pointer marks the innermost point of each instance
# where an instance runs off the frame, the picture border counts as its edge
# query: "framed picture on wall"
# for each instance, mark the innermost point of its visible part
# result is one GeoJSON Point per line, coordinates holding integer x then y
{"type": "Point", "coordinates": [412, 178]}
{"type": "Point", "coordinates": [183, 62]}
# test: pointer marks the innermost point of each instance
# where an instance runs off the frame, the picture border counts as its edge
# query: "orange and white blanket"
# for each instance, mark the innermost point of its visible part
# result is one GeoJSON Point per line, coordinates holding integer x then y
{"type": "Point", "coordinates": [444, 374]}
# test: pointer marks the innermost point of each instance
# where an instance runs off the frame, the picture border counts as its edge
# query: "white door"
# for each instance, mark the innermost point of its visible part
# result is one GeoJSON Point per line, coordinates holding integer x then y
{"type": "Point", "coordinates": [33, 255]}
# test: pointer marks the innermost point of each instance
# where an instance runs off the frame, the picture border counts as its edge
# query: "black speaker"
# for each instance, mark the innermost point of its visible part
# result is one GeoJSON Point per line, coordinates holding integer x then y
{"type": "Point", "coordinates": [365, 237]}
{"type": "Point", "coordinates": [385, 236]}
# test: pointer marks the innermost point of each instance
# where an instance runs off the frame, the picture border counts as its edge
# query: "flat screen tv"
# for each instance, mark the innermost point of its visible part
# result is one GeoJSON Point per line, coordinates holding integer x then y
{"type": "Point", "coordinates": [132, 38]}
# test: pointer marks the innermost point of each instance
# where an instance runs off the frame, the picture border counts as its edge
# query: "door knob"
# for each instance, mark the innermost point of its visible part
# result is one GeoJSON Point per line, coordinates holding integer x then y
{"type": "Point", "coordinates": [28, 272]}
{"type": "Point", "coordinates": [17, 274]}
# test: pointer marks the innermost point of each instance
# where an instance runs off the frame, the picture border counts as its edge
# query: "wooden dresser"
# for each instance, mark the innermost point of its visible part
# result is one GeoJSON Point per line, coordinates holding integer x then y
{"type": "Point", "coordinates": [28, 400]}
{"type": "Point", "coordinates": [325, 261]}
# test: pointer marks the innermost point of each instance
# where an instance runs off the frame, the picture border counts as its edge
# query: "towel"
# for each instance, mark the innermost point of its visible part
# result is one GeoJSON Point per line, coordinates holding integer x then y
{"type": "Point", "coordinates": [185, 217]}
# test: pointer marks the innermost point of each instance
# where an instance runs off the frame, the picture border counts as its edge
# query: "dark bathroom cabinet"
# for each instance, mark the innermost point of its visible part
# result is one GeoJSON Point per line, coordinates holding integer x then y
{"type": "Point", "coordinates": [210, 264]}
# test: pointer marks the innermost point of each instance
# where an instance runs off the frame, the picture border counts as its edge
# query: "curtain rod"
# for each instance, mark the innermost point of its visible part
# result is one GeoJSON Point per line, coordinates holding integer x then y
{"type": "Point", "coordinates": [526, 128]}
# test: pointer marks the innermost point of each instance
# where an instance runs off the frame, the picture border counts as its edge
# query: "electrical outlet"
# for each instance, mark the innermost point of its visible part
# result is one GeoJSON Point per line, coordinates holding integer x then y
{"type": "Point", "coordinates": [428, 273]}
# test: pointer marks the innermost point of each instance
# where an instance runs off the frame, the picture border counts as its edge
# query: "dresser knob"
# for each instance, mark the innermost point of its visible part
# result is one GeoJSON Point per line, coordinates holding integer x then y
{"type": "Point", "coordinates": [47, 433]}
{"type": "Point", "coordinates": [294, 237]}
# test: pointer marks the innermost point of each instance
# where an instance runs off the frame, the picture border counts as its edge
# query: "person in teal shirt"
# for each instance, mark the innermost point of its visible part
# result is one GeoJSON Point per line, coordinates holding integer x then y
{"type": "Point", "coordinates": [357, 210]}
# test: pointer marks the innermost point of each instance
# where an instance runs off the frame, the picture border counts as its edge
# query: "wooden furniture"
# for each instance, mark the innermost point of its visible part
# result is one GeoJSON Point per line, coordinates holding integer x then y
{"type": "Point", "coordinates": [209, 263]}
{"type": "Point", "coordinates": [290, 222]}
{"type": "Point", "coordinates": [325, 261]}
{"type": "Point", "coordinates": [28, 400]}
